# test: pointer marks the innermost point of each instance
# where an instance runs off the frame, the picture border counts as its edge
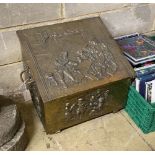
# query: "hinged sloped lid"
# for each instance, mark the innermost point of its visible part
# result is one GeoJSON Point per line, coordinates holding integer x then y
{"type": "Point", "coordinates": [72, 57]}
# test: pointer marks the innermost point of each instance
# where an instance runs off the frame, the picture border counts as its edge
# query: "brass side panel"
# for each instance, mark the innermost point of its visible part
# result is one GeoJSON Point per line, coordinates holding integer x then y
{"type": "Point", "coordinates": [83, 106]}
{"type": "Point", "coordinates": [37, 101]}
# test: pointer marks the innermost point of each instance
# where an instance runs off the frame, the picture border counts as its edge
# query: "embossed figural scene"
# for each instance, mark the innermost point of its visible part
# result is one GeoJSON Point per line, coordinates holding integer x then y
{"type": "Point", "coordinates": [75, 72]}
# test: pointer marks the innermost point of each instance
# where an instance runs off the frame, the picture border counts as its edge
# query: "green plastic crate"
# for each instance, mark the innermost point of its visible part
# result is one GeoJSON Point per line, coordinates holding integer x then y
{"type": "Point", "coordinates": [152, 37]}
{"type": "Point", "coordinates": [142, 113]}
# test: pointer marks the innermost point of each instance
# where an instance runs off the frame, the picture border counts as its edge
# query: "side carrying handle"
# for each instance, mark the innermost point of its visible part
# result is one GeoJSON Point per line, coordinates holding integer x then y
{"type": "Point", "coordinates": [21, 75]}
{"type": "Point", "coordinates": [29, 80]}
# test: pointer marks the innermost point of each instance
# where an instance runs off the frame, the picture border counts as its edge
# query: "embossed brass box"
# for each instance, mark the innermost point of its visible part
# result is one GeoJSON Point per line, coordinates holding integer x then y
{"type": "Point", "coordinates": [76, 72]}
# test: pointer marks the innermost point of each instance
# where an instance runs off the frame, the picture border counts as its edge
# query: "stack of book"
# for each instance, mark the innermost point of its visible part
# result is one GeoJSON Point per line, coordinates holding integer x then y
{"type": "Point", "coordinates": [140, 51]}
{"type": "Point", "coordinates": [145, 82]}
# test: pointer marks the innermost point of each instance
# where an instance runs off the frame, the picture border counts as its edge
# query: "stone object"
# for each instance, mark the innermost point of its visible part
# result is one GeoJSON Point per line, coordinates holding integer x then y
{"type": "Point", "coordinates": [13, 136]}
{"type": "Point", "coordinates": [10, 120]}
{"type": "Point", "coordinates": [18, 142]}
{"type": "Point", "coordinates": [75, 72]}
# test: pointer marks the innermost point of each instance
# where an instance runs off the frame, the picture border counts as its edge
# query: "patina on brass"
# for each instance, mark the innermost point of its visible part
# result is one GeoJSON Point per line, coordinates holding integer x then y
{"type": "Point", "coordinates": [75, 71]}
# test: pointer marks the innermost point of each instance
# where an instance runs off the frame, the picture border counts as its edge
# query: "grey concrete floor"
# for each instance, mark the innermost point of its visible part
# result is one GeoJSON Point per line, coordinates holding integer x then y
{"type": "Point", "coordinates": [110, 132]}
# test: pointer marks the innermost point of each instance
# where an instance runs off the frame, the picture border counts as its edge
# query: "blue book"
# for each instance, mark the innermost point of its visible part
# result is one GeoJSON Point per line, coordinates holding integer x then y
{"type": "Point", "coordinates": [142, 86]}
{"type": "Point", "coordinates": [145, 70]}
{"type": "Point", "coordinates": [137, 47]}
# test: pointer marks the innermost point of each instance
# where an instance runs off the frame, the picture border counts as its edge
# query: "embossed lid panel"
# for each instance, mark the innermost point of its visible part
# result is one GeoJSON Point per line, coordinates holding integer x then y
{"type": "Point", "coordinates": [74, 56]}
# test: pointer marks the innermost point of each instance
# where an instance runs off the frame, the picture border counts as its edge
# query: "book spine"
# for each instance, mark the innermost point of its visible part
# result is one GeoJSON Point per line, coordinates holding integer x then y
{"type": "Point", "coordinates": [146, 91]}
{"type": "Point", "coordinates": [153, 92]}
{"type": "Point", "coordinates": [126, 36]}
{"type": "Point", "coordinates": [137, 84]}
{"type": "Point", "coordinates": [149, 91]}
{"type": "Point", "coordinates": [144, 67]}
{"type": "Point", "coordinates": [145, 72]}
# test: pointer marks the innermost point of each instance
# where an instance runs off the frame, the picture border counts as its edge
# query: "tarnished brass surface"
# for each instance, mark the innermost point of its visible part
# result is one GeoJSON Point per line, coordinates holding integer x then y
{"type": "Point", "coordinates": [80, 107]}
{"type": "Point", "coordinates": [76, 67]}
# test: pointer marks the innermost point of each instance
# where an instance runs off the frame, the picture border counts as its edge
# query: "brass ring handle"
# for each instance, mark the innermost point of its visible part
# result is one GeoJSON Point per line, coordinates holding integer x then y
{"type": "Point", "coordinates": [21, 74]}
